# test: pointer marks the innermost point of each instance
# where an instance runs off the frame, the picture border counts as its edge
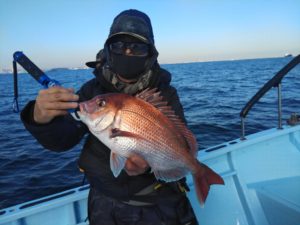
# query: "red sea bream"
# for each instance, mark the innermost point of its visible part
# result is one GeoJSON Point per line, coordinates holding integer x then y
{"type": "Point", "coordinates": [146, 126]}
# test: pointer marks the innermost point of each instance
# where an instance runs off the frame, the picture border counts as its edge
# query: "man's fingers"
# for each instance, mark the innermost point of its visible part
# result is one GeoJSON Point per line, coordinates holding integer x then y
{"type": "Point", "coordinates": [54, 113]}
{"type": "Point", "coordinates": [57, 89]}
{"type": "Point", "coordinates": [48, 95]}
{"type": "Point", "coordinates": [136, 165]}
{"type": "Point", "coordinates": [63, 97]}
{"type": "Point", "coordinates": [131, 168]}
{"type": "Point", "coordinates": [139, 161]}
{"type": "Point", "coordinates": [53, 102]}
{"type": "Point", "coordinates": [45, 116]}
{"type": "Point", "coordinates": [59, 105]}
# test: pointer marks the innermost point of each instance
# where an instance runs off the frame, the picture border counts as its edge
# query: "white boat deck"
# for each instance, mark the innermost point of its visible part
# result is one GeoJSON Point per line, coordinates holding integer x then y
{"type": "Point", "coordinates": [262, 180]}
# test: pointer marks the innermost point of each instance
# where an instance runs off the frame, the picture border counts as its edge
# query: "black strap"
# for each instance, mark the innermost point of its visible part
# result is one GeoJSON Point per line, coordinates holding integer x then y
{"type": "Point", "coordinates": [165, 192]}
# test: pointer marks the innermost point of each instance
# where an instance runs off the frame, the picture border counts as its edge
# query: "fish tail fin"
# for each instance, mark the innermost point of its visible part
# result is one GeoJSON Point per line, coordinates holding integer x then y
{"type": "Point", "coordinates": [203, 178]}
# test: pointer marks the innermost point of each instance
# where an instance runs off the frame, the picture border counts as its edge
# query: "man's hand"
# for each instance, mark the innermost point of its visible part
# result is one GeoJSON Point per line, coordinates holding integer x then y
{"type": "Point", "coordinates": [136, 165]}
{"type": "Point", "coordinates": [53, 102]}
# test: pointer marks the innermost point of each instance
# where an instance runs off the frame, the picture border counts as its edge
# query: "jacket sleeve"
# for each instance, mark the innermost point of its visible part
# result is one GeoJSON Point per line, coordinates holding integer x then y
{"type": "Point", "coordinates": [61, 134]}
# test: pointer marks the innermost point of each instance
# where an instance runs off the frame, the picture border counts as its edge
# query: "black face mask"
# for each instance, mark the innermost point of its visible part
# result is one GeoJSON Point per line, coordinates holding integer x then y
{"type": "Point", "coordinates": [128, 67]}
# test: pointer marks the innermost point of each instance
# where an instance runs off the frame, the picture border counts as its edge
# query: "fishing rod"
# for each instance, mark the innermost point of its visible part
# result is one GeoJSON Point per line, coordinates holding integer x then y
{"type": "Point", "coordinates": [37, 74]}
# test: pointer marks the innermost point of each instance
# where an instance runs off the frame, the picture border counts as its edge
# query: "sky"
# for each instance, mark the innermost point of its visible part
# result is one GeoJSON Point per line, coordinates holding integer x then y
{"type": "Point", "coordinates": [68, 33]}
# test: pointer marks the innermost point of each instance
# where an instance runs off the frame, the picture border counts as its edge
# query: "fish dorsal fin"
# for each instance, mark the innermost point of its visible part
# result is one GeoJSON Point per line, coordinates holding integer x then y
{"type": "Point", "coordinates": [153, 97]}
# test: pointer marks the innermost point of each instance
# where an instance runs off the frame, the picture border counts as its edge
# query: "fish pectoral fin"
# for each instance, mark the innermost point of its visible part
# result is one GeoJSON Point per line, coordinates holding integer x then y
{"type": "Point", "coordinates": [171, 174]}
{"type": "Point", "coordinates": [115, 132]}
{"type": "Point", "coordinates": [117, 163]}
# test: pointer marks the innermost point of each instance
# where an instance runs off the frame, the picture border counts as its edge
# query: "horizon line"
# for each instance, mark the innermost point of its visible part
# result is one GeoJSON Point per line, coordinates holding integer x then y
{"type": "Point", "coordinates": [9, 71]}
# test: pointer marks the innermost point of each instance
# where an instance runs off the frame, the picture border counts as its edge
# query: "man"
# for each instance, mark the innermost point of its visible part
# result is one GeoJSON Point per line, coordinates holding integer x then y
{"type": "Point", "coordinates": [127, 64]}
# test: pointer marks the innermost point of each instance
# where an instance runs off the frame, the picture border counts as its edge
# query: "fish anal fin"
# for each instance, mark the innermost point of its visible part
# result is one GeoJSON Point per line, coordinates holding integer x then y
{"type": "Point", "coordinates": [117, 163]}
{"type": "Point", "coordinates": [170, 175]}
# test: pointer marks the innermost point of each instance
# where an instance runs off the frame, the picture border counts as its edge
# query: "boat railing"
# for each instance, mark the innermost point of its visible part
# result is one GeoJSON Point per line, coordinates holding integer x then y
{"type": "Point", "coordinates": [273, 82]}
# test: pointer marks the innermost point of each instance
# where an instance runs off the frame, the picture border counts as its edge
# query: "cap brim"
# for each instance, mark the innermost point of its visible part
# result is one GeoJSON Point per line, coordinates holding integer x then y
{"type": "Point", "coordinates": [130, 34]}
{"type": "Point", "coordinates": [92, 64]}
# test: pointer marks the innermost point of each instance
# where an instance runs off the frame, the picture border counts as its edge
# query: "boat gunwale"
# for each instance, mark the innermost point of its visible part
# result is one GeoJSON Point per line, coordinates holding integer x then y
{"type": "Point", "coordinates": [251, 139]}
{"type": "Point", "coordinates": [48, 202]}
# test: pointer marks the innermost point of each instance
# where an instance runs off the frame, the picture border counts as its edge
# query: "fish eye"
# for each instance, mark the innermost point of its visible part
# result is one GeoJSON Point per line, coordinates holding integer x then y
{"type": "Point", "coordinates": [101, 103]}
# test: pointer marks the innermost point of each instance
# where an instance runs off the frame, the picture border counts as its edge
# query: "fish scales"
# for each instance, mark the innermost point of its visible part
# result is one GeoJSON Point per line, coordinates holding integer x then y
{"type": "Point", "coordinates": [152, 121]}
{"type": "Point", "coordinates": [154, 131]}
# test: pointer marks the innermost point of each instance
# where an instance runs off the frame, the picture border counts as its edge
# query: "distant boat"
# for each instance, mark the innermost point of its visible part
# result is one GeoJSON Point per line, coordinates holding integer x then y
{"type": "Point", "coordinates": [288, 55]}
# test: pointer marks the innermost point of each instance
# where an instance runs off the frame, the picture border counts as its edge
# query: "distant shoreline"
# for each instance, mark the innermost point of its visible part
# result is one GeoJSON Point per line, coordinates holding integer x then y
{"type": "Point", "coordinates": [20, 71]}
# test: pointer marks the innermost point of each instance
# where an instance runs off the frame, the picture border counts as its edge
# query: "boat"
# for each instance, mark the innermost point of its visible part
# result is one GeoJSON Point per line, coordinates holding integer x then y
{"type": "Point", "coordinates": [261, 173]}
{"type": "Point", "coordinates": [288, 55]}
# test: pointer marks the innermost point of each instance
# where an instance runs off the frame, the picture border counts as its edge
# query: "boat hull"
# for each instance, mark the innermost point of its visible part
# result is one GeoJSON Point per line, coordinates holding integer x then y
{"type": "Point", "coordinates": [262, 187]}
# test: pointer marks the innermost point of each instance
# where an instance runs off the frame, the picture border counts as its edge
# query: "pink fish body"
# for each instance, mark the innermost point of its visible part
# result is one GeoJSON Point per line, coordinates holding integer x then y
{"type": "Point", "coordinates": [144, 125]}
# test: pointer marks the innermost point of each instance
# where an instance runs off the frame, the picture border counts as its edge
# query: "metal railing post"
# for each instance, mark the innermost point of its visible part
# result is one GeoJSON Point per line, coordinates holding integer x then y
{"type": "Point", "coordinates": [279, 107]}
{"type": "Point", "coordinates": [243, 128]}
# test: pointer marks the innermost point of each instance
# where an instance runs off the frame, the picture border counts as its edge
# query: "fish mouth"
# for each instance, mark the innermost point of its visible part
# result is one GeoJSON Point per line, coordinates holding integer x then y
{"type": "Point", "coordinates": [85, 113]}
{"type": "Point", "coordinates": [82, 108]}
{"type": "Point", "coordinates": [82, 112]}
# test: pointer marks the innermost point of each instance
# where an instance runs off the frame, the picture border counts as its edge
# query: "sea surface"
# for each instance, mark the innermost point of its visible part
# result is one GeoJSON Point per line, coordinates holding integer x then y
{"type": "Point", "coordinates": [212, 94]}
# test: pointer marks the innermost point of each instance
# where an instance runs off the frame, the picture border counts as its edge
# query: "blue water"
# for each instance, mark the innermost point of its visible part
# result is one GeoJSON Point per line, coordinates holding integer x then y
{"type": "Point", "coordinates": [212, 93]}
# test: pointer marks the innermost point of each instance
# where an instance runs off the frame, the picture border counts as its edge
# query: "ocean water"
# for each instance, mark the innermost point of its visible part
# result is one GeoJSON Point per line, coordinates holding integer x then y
{"type": "Point", "coordinates": [212, 94]}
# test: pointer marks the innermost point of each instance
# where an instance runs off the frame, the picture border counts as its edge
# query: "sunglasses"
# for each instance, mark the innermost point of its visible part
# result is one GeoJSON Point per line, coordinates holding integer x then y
{"type": "Point", "coordinates": [136, 49]}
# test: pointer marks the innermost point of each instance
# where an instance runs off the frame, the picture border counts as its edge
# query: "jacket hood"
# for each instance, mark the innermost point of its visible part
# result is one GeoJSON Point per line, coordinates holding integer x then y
{"type": "Point", "coordinates": [135, 24]}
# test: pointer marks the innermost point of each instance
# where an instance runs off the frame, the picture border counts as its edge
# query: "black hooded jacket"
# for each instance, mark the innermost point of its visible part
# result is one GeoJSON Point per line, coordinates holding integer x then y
{"type": "Point", "coordinates": [63, 133]}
